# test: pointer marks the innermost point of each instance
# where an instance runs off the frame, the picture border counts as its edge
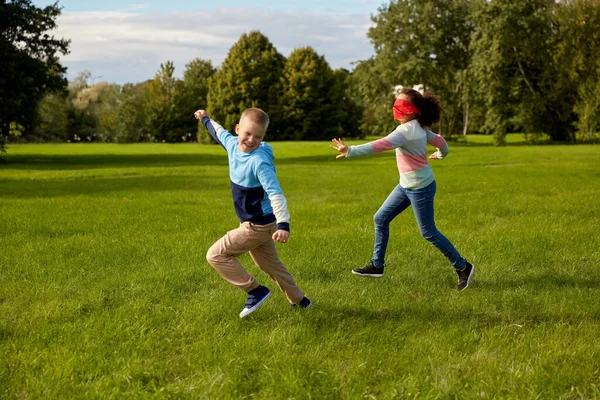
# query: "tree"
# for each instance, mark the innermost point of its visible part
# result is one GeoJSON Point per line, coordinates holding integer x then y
{"type": "Point", "coordinates": [93, 112]}
{"type": "Point", "coordinates": [348, 111]}
{"type": "Point", "coordinates": [370, 89]}
{"type": "Point", "coordinates": [309, 101]}
{"type": "Point", "coordinates": [131, 113]}
{"type": "Point", "coordinates": [578, 55]}
{"type": "Point", "coordinates": [424, 43]}
{"type": "Point", "coordinates": [160, 103]}
{"type": "Point", "coordinates": [248, 77]}
{"type": "Point", "coordinates": [522, 83]}
{"type": "Point", "coordinates": [81, 119]}
{"type": "Point", "coordinates": [107, 113]}
{"type": "Point", "coordinates": [52, 118]}
{"type": "Point", "coordinates": [192, 96]}
{"type": "Point", "coordinates": [29, 65]}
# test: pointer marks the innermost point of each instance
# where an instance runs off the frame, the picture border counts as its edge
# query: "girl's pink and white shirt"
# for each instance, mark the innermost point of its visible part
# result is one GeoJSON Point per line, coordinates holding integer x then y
{"type": "Point", "coordinates": [410, 141]}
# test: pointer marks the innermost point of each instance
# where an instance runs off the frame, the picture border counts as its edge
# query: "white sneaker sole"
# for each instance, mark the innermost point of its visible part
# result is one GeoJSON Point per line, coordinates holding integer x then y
{"type": "Point", "coordinates": [469, 278]}
{"type": "Point", "coordinates": [368, 275]}
{"type": "Point", "coordinates": [248, 311]}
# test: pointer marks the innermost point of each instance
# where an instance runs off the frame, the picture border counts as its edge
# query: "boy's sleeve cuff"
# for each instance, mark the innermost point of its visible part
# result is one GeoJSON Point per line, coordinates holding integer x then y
{"type": "Point", "coordinates": [284, 226]}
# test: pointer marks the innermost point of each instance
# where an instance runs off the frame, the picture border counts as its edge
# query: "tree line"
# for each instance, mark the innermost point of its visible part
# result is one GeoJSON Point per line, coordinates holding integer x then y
{"type": "Point", "coordinates": [499, 66]}
{"type": "Point", "coordinates": [305, 98]}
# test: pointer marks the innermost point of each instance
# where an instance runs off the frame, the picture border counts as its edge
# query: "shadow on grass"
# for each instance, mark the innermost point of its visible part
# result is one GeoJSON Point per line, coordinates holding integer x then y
{"type": "Point", "coordinates": [93, 161]}
{"type": "Point", "coordinates": [90, 161]}
{"type": "Point", "coordinates": [431, 316]}
{"type": "Point", "coordinates": [539, 283]}
{"type": "Point", "coordinates": [99, 185]}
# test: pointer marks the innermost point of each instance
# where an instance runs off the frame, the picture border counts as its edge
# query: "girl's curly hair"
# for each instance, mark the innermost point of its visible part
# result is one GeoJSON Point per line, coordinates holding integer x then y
{"type": "Point", "coordinates": [428, 104]}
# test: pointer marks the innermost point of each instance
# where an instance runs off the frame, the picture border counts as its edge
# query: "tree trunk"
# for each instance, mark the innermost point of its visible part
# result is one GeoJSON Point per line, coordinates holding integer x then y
{"type": "Point", "coordinates": [466, 121]}
{"type": "Point", "coordinates": [4, 131]}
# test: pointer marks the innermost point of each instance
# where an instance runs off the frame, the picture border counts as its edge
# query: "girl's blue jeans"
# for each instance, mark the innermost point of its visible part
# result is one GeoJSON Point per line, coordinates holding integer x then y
{"type": "Point", "coordinates": [422, 203]}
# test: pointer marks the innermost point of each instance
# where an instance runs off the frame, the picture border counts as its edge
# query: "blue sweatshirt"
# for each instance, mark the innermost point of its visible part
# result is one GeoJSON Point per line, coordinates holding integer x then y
{"type": "Point", "coordinates": [257, 196]}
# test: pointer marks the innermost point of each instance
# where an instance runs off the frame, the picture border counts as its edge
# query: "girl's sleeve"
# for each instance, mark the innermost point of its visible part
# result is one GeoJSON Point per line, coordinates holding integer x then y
{"type": "Point", "coordinates": [394, 140]}
{"type": "Point", "coordinates": [438, 142]}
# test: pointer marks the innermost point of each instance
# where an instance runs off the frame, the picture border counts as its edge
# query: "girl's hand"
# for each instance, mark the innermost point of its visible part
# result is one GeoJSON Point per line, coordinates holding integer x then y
{"type": "Point", "coordinates": [281, 236]}
{"type": "Point", "coordinates": [341, 147]}
{"type": "Point", "coordinates": [434, 155]}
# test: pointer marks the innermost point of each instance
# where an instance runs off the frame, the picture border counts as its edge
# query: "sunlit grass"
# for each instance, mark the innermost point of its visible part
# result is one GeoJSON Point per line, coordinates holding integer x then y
{"type": "Point", "coordinates": [105, 291]}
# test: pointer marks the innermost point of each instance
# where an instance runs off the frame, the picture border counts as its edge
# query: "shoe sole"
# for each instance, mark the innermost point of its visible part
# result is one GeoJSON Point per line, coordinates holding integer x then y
{"type": "Point", "coordinates": [469, 278]}
{"type": "Point", "coordinates": [295, 307]}
{"type": "Point", "coordinates": [247, 311]}
{"type": "Point", "coordinates": [368, 275]}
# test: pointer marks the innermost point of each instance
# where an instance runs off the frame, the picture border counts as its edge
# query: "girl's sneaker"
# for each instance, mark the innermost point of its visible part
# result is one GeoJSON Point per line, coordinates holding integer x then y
{"type": "Point", "coordinates": [255, 298]}
{"type": "Point", "coordinates": [465, 276]}
{"type": "Point", "coordinates": [369, 270]}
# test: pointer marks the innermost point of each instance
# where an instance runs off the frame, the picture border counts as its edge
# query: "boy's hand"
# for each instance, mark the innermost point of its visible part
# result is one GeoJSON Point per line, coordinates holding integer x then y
{"type": "Point", "coordinates": [200, 114]}
{"type": "Point", "coordinates": [281, 236]}
{"type": "Point", "coordinates": [434, 155]}
{"type": "Point", "coordinates": [341, 147]}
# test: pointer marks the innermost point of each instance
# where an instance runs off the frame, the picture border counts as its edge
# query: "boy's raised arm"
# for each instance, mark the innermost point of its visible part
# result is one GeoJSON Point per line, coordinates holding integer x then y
{"type": "Point", "coordinates": [218, 133]}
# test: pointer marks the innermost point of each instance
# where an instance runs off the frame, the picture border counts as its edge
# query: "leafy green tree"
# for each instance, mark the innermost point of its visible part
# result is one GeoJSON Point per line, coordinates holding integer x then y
{"type": "Point", "coordinates": [52, 118]}
{"type": "Point", "coordinates": [424, 43]}
{"type": "Point", "coordinates": [80, 102]}
{"type": "Point", "coordinates": [160, 103]}
{"type": "Point", "coordinates": [192, 96]}
{"type": "Point", "coordinates": [519, 78]}
{"type": "Point", "coordinates": [248, 77]}
{"type": "Point", "coordinates": [375, 95]}
{"type": "Point", "coordinates": [131, 113]}
{"type": "Point", "coordinates": [107, 113]}
{"type": "Point", "coordinates": [578, 55]}
{"type": "Point", "coordinates": [29, 64]}
{"type": "Point", "coordinates": [309, 101]}
{"type": "Point", "coordinates": [347, 110]}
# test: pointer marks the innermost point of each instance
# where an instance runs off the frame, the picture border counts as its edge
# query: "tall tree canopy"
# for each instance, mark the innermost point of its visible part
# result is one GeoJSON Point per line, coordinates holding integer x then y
{"type": "Point", "coordinates": [29, 65]}
{"type": "Point", "coordinates": [248, 77]}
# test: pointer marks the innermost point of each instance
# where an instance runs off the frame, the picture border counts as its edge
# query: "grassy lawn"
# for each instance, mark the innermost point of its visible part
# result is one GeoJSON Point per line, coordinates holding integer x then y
{"type": "Point", "coordinates": [105, 291]}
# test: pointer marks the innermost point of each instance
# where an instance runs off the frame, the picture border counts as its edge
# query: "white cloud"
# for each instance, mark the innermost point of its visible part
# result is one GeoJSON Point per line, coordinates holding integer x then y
{"type": "Point", "coordinates": [124, 46]}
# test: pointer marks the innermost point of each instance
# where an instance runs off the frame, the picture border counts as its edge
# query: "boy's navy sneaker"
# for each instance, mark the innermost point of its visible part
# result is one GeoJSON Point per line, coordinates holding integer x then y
{"type": "Point", "coordinates": [465, 275]}
{"type": "Point", "coordinates": [304, 303]}
{"type": "Point", "coordinates": [369, 270]}
{"type": "Point", "coordinates": [255, 298]}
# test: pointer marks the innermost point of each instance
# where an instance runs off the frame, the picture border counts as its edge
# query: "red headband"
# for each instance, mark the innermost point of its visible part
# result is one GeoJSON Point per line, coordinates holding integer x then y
{"type": "Point", "coordinates": [403, 107]}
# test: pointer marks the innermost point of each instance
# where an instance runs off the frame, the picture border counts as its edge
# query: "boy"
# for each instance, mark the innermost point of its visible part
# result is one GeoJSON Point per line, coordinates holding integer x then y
{"type": "Point", "coordinates": [261, 208]}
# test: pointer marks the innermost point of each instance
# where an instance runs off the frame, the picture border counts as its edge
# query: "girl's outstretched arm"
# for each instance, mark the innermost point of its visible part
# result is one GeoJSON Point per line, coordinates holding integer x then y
{"type": "Point", "coordinates": [395, 139]}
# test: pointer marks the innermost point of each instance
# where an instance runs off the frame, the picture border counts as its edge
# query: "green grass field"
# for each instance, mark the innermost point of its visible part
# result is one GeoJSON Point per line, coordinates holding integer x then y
{"type": "Point", "coordinates": [105, 291]}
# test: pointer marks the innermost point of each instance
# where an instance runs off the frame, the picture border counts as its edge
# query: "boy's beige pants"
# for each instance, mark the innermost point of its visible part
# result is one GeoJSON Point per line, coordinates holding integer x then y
{"type": "Point", "coordinates": [256, 239]}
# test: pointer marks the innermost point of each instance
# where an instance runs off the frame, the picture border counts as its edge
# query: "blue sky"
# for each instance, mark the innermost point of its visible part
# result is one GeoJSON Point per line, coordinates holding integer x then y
{"type": "Point", "coordinates": [126, 41]}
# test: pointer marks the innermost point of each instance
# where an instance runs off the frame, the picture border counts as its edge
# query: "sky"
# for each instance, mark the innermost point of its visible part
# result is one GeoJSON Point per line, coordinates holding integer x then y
{"type": "Point", "coordinates": [126, 41]}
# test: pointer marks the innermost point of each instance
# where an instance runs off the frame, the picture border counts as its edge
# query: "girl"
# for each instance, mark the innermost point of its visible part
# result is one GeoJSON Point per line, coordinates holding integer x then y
{"type": "Point", "coordinates": [417, 186]}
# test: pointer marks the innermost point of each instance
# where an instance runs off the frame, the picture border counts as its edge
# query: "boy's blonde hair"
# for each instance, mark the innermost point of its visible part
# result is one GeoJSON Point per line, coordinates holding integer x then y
{"type": "Point", "coordinates": [257, 116]}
